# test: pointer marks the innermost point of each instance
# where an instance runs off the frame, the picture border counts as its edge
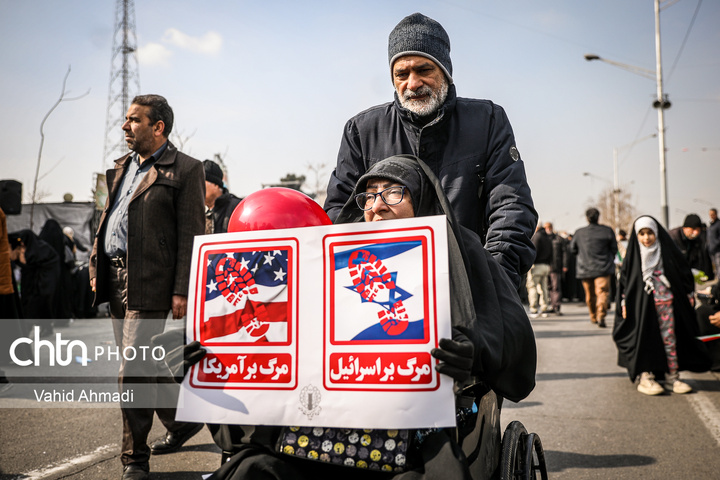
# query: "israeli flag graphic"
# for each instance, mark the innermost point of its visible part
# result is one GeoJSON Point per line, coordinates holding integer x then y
{"type": "Point", "coordinates": [379, 292]}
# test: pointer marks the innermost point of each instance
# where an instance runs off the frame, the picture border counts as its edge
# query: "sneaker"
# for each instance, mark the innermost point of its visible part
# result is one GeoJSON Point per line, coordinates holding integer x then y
{"type": "Point", "coordinates": [678, 386]}
{"type": "Point", "coordinates": [534, 315]}
{"type": "Point", "coordinates": [648, 385]}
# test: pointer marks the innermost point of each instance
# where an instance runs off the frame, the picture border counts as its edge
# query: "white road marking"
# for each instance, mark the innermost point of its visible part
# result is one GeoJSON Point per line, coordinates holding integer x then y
{"type": "Point", "coordinates": [68, 463]}
{"type": "Point", "coordinates": [708, 414]}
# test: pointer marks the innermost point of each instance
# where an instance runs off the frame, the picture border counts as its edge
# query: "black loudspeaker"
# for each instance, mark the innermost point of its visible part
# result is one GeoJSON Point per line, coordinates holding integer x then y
{"type": "Point", "coordinates": [11, 197]}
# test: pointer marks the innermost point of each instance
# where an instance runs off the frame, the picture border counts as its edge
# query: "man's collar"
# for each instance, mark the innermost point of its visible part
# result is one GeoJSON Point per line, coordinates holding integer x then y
{"type": "Point", "coordinates": [161, 156]}
{"type": "Point", "coordinates": [223, 199]}
{"type": "Point", "coordinates": [154, 157]}
{"type": "Point", "coordinates": [159, 153]}
{"type": "Point", "coordinates": [166, 157]}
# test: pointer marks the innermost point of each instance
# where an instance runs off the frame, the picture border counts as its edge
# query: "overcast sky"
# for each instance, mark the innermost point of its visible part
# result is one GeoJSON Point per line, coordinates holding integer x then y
{"type": "Point", "coordinates": [269, 86]}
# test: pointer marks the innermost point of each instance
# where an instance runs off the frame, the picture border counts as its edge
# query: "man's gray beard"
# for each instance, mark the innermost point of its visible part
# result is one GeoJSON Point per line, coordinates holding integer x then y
{"type": "Point", "coordinates": [430, 105]}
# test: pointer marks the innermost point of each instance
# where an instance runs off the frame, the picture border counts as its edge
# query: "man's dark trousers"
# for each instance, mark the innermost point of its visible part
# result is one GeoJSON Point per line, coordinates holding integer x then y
{"type": "Point", "coordinates": [133, 328]}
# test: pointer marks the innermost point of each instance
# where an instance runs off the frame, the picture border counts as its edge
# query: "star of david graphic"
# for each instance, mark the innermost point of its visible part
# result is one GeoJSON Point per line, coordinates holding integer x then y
{"type": "Point", "coordinates": [372, 281]}
{"type": "Point", "coordinates": [395, 294]}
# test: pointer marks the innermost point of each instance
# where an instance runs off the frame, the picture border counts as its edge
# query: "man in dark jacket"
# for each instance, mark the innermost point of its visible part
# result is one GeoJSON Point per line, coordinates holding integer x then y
{"type": "Point", "coordinates": [537, 277]}
{"type": "Point", "coordinates": [595, 247]}
{"type": "Point", "coordinates": [690, 239]}
{"type": "Point", "coordinates": [713, 240]}
{"type": "Point", "coordinates": [219, 202]}
{"type": "Point", "coordinates": [141, 264]}
{"type": "Point", "coordinates": [558, 267]}
{"type": "Point", "coordinates": [468, 144]}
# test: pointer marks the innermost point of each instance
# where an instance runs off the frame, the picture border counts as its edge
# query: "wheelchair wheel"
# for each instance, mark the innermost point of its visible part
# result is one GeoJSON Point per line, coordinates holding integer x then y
{"type": "Point", "coordinates": [522, 456]}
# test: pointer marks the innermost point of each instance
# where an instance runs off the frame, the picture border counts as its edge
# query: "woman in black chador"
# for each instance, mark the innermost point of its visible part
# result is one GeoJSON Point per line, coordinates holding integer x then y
{"type": "Point", "coordinates": [655, 329]}
{"type": "Point", "coordinates": [39, 277]}
{"type": "Point", "coordinates": [52, 234]}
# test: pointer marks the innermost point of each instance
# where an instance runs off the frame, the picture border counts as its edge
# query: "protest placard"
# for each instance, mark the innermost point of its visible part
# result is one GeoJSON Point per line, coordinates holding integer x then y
{"type": "Point", "coordinates": [321, 326]}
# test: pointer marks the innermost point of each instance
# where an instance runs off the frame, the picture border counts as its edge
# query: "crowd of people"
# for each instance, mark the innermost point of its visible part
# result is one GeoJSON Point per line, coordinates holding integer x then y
{"type": "Point", "coordinates": [50, 285]}
{"type": "Point", "coordinates": [553, 279]}
{"type": "Point", "coordinates": [653, 276]}
{"type": "Point", "coordinates": [42, 284]}
{"type": "Point", "coordinates": [427, 152]}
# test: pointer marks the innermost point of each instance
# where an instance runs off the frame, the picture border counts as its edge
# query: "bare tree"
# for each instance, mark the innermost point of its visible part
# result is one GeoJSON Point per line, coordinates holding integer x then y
{"type": "Point", "coordinates": [218, 158]}
{"type": "Point", "coordinates": [605, 203]}
{"type": "Point", "coordinates": [42, 194]}
{"type": "Point", "coordinates": [42, 139]}
{"type": "Point", "coordinates": [180, 139]}
{"type": "Point", "coordinates": [319, 180]}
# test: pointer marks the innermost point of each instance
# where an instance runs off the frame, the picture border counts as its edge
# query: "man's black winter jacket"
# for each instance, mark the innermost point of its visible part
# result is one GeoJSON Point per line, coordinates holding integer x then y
{"type": "Point", "coordinates": [468, 145]}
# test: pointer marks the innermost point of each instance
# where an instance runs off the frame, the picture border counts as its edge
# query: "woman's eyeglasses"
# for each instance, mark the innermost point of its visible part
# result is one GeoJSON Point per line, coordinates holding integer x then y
{"type": "Point", "coordinates": [391, 196]}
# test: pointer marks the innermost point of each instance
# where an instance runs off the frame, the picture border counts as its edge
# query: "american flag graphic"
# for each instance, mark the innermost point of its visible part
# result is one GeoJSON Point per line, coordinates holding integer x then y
{"type": "Point", "coordinates": [246, 297]}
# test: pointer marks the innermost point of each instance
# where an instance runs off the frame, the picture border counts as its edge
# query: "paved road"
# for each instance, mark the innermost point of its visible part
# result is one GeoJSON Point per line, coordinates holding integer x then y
{"type": "Point", "coordinates": [594, 424]}
{"type": "Point", "coordinates": [592, 421]}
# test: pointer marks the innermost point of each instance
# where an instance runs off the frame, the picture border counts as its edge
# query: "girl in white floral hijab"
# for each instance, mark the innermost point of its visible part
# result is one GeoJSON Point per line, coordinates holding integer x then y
{"type": "Point", "coordinates": [656, 331]}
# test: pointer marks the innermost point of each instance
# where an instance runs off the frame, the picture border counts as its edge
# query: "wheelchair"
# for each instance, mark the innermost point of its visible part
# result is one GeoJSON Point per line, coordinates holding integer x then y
{"type": "Point", "coordinates": [518, 455]}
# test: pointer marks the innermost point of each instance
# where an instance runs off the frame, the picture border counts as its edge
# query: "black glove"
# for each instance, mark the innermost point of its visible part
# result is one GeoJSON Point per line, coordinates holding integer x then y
{"type": "Point", "coordinates": [192, 354]}
{"type": "Point", "coordinates": [179, 357]}
{"type": "Point", "coordinates": [456, 356]}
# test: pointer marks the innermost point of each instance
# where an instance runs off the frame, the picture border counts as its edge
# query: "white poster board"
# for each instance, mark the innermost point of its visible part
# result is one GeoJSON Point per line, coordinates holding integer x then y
{"type": "Point", "coordinates": [321, 326]}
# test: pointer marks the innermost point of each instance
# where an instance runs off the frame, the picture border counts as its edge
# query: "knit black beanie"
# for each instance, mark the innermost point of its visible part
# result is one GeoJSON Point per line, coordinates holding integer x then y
{"type": "Point", "coordinates": [417, 34]}
{"type": "Point", "coordinates": [213, 173]}
{"type": "Point", "coordinates": [692, 221]}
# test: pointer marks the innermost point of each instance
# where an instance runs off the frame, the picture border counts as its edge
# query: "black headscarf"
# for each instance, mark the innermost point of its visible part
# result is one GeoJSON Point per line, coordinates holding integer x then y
{"type": "Point", "coordinates": [53, 235]}
{"type": "Point", "coordinates": [38, 253]}
{"type": "Point", "coordinates": [638, 339]}
{"type": "Point", "coordinates": [405, 170]}
{"type": "Point", "coordinates": [485, 306]}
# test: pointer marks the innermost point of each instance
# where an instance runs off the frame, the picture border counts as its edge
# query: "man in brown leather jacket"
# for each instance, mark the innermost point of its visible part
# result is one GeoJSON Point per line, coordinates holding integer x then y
{"type": "Point", "coordinates": [141, 265]}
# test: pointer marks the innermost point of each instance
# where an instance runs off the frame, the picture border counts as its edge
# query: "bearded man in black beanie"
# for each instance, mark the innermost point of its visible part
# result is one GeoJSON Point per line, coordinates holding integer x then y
{"type": "Point", "coordinates": [468, 144]}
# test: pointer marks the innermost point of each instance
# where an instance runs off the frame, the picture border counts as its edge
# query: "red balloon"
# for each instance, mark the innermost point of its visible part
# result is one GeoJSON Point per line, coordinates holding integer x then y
{"type": "Point", "coordinates": [274, 208]}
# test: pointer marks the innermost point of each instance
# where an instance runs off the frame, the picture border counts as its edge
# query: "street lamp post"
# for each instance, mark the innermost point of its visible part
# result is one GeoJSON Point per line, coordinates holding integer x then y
{"type": "Point", "coordinates": [616, 189]}
{"type": "Point", "coordinates": [661, 103]}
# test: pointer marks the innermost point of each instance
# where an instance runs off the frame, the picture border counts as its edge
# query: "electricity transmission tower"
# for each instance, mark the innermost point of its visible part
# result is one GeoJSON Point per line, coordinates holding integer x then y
{"type": "Point", "coordinates": [124, 79]}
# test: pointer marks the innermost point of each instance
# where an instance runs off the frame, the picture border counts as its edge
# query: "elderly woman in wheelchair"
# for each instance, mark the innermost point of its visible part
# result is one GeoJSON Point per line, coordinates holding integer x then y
{"type": "Point", "coordinates": [491, 356]}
